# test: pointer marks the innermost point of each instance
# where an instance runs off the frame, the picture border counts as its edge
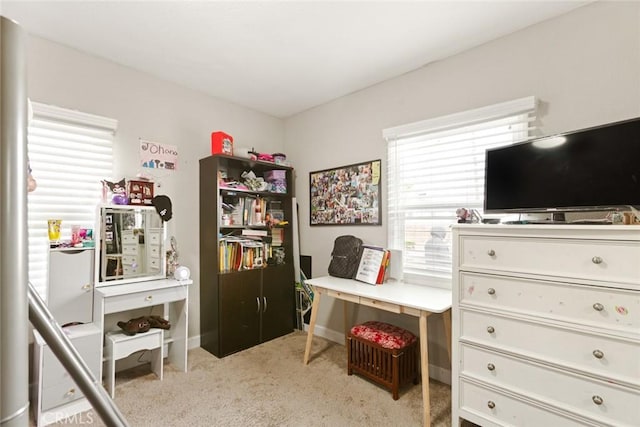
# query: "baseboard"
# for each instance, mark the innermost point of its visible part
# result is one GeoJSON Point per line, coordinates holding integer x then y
{"type": "Point", "coordinates": [436, 372]}
{"type": "Point", "coordinates": [324, 332]}
{"type": "Point", "coordinates": [193, 342]}
{"type": "Point", "coordinates": [440, 374]}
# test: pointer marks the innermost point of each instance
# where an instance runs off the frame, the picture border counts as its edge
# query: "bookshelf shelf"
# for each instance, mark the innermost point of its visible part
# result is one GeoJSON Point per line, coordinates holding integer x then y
{"type": "Point", "coordinates": [229, 191]}
{"type": "Point", "coordinates": [247, 291]}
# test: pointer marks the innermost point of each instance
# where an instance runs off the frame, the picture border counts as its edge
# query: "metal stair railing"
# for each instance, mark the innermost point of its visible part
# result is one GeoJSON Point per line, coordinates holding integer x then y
{"type": "Point", "coordinates": [61, 346]}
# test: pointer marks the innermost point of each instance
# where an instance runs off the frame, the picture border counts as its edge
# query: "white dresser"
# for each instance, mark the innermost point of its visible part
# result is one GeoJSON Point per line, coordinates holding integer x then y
{"type": "Point", "coordinates": [55, 394]}
{"type": "Point", "coordinates": [546, 325]}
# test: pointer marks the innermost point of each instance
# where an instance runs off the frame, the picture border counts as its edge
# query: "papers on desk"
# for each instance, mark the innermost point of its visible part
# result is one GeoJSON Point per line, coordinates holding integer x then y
{"type": "Point", "coordinates": [373, 265]}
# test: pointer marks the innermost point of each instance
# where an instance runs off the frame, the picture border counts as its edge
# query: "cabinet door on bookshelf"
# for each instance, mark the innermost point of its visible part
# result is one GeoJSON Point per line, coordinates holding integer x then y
{"type": "Point", "coordinates": [240, 307]}
{"type": "Point", "coordinates": [279, 293]}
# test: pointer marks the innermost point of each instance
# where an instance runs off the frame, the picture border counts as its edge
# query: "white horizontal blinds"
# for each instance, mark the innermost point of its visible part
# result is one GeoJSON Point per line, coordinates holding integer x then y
{"type": "Point", "coordinates": [70, 153]}
{"type": "Point", "coordinates": [437, 166]}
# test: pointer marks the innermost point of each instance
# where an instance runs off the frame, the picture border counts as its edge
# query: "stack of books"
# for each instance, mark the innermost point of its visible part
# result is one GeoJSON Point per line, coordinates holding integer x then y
{"type": "Point", "coordinates": [238, 254]}
{"type": "Point", "coordinates": [277, 236]}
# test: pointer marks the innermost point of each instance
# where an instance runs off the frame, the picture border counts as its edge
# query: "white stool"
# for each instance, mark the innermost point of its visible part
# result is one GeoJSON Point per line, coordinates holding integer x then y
{"type": "Point", "coordinates": [119, 345]}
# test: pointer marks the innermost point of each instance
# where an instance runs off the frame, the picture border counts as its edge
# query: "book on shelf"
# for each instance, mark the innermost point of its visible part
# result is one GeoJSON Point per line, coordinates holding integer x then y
{"type": "Point", "coordinates": [251, 232]}
{"type": "Point", "coordinates": [237, 254]}
{"type": "Point", "coordinates": [384, 268]}
{"type": "Point", "coordinates": [277, 236]}
{"type": "Point", "coordinates": [254, 209]}
{"type": "Point", "coordinates": [236, 213]}
{"type": "Point", "coordinates": [373, 265]}
{"type": "Point", "coordinates": [232, 210]}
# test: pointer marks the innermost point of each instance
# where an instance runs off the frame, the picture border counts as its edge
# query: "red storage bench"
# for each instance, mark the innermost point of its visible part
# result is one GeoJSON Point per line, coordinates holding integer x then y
{"type": "Point", "coordinates": [383, 353]}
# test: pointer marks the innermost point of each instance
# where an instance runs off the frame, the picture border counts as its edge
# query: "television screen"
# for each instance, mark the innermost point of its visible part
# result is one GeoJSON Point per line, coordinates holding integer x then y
{"type": "Point", "coordinates": [591, 169]}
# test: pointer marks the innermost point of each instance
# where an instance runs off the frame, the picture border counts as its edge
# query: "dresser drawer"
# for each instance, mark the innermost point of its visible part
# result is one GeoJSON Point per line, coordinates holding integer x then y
{"type": "Point", "coordinates": [583, 259]}
{"type": "Point", "coordinates": [129, 259]}
{"type": "Point", "coordinates": [603, 401]}
{"type": "Point", "coordinates": [598, 354]}
{"type": "Point", "coordinates": [59, 394]}
{"type": "Point", "coordinates": [130, 249]}
{"type": "Point", "coordinates": [129, 270]}
{"type": "Point", "coordinates": [154, 237]}
{"type": "Point", "coordinates": [154, 250]}
{"type": "Point", "coordinates": [130, 301]}
{"type": "Point", "coordinates": [500, 409]}
{"type": "Point", "coordinates": [154, 264]}
{"type": "Point", "coordinates": [53, 373]}
{"type": "Point", "coordinates": [603, 307]}
{"type": "Point", "coordinates": [128, 238]}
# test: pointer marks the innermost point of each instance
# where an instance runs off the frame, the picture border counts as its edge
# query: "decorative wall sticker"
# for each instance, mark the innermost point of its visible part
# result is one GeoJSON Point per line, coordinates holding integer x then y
{"type": "Point", "coordinates": [154, 155]}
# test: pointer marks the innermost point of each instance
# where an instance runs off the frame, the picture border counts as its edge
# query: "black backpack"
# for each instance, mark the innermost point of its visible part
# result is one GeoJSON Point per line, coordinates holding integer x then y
{"type": "Point", "coordinates": [345, 257]}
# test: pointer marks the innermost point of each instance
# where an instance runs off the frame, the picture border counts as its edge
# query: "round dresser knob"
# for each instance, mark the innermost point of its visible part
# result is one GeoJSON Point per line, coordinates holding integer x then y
{"type": "Point", "coordinates": [491, 404]}
{"type": "Point", "coordinates": [597, 400]}
{"type": "Point", "coordinates": [491, 252]}
{"type": "Point", "coordinates": [491, 291]}
{"type": "Point", "coordinates": [598, 354]}
{"type": "Point", "coordinates": [491, 367]}
{"type": "Point", "coordinates": [596, 260]}
{"type": "Point", "coordinates": [149, 298]}
{"type": "Point", "coordinates": [598, 307]}
{"type": "Point", "coordinates": [490, 329]}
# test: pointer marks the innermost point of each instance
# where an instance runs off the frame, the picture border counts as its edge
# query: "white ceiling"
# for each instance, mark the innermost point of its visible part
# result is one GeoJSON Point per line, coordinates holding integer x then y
{"type": "Point", "coordinates": [278, 57]}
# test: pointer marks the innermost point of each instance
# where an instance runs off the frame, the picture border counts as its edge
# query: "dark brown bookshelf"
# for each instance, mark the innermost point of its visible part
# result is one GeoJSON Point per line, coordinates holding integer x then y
{"type": "Point", "coordinates": [240, 309]}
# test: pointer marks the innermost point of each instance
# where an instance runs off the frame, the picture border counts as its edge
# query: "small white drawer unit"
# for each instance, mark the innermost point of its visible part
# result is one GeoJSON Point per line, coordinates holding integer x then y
{"type": "Point", "coordinates": [56, 395]}
{"type": "Point", "coordinates": [132, 260]}
{"type": "Point", "coordinates": [546, 325]}
{"type": "Point", "coordinates": [154, 255]}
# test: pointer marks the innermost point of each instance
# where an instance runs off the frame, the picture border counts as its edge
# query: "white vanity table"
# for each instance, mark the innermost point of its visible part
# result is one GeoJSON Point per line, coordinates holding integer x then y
{"type": "Point", "coordinates": [171, 293]}
{"type": "Point", "coordinates": [126, 271]}
{"type": "Point", "coordinates": [130, 274]}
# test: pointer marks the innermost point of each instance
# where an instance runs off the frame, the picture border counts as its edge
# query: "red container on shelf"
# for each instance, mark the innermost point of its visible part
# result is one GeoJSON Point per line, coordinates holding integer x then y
{"type": "Point", "coordinates": [221, 143]}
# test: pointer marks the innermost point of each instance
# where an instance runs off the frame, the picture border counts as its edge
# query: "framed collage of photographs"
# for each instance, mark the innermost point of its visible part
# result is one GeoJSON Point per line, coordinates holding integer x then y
{"type": "Point", "coordinates": [346, 195]}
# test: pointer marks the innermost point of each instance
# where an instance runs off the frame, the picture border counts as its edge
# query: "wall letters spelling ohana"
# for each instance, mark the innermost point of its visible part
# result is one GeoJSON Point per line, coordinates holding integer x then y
{"type": "Point", "coordinates": [158, 156]}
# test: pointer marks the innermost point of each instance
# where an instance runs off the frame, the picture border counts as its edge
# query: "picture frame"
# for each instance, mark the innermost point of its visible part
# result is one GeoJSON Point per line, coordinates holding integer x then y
{"type": "Point", "coordinates": [346, 195]}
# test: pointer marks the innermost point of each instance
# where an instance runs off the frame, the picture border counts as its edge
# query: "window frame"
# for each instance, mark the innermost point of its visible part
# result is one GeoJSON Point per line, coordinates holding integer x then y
{"type": "Point", "coordinates": [63, 190]}
{"type": "Point", "coordinates": [445, 129]}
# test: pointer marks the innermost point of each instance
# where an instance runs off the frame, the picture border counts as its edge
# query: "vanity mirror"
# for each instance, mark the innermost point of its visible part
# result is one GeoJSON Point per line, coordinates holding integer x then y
{"type": "Point", "coordinates": [131, 245]}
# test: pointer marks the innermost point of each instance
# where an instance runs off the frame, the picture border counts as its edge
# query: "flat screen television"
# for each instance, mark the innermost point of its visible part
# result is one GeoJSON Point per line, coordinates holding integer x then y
{"type": "Point", "coordinates": [590, 169]}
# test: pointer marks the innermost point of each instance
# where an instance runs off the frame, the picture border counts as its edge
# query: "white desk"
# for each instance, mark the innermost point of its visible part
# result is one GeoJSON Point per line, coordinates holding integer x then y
{"type": "Point", "coordinates": [414, 300]}
{"type": "Point", "coordinates": [172, 294]}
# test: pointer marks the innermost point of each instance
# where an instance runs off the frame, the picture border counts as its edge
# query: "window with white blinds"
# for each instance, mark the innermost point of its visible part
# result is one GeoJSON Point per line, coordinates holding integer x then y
{"type": "Point", "coordinates": [70, 153]}
{"type": "Point", "coordinates": [437, 166]}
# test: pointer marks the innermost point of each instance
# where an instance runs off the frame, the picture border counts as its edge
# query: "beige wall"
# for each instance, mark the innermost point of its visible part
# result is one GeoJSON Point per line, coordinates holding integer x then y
{"type": "Point", "coordinates": [152, 109]}
{"type": "Point", "coordinates": [584, 66]}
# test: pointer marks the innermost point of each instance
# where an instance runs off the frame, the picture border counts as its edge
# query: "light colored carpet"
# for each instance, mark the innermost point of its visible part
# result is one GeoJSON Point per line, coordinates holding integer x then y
{"type": "Point", "coordinates": [268, 385]}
